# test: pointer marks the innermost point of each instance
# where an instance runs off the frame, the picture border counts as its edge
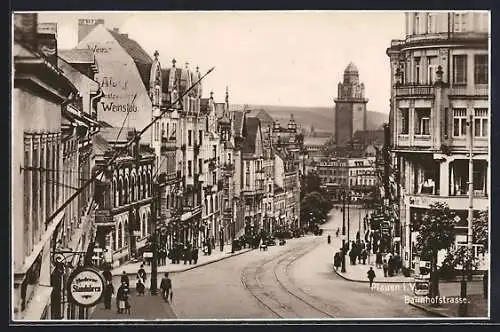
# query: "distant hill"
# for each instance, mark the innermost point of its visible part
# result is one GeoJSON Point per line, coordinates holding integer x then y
{"type": "Point", "coordinates": [321, 118]}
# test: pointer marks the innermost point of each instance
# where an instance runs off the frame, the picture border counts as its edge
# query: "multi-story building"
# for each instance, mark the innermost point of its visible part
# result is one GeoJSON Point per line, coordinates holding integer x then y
{"type": "Point", "coordinates": [334, 176]}
{"type": "Point", "coordinates": [439, 110]}
{"type": "Point", "coordinates": [124, 194]}
{"type": "Point", "coordinates": [362, 178]}
{"type": "Point", "coordinates": [52, 125]}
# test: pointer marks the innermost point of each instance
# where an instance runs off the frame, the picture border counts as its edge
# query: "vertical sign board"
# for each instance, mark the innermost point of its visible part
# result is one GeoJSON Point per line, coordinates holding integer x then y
{"type": "Point", "coordinates": [85, 287]}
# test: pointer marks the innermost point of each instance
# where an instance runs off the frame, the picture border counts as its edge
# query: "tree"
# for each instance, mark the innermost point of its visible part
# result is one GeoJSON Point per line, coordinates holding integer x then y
{"type": "Point", "coordinates": [459, 257]}
{"type": "Point", "coordinates": [311, 182]}
{"type": "Point", "coordinates": [314, 208]}
{"type": "Point", "coordinates": [436, 232]}
{"type": "Point", "coordinates": [480, 229]}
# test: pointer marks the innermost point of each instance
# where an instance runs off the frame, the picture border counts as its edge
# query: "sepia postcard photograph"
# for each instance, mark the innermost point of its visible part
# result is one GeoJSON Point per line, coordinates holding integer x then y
{"type": "Point", "coordinates": [229, 166]}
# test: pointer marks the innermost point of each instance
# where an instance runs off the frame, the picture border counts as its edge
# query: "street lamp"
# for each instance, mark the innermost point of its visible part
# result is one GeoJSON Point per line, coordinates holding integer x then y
{"type": "Point", "coordinates": [343, 233]}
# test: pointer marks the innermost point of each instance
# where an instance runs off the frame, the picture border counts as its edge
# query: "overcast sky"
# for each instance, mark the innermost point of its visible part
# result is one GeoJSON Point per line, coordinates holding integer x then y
{"type": "Point", "coordinates": [276, 58]}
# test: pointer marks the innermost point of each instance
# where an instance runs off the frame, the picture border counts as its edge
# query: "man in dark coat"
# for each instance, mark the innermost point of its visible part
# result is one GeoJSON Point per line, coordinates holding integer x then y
{"type": "Point", "coordinates": [371, 276]}
{"type": "Point", "coordinates": [109, 290]}
{"type": "Point", "coordinates": [124, 278]}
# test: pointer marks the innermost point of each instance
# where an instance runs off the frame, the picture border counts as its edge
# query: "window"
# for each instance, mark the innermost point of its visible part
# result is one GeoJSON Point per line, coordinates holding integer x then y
{"type": "Point", "coordinates": [417, 71]}
{"type": "Point", "coordinates": [417, 24]}
{"type": "Point", "coordinates": [423, 121]}
{"type": "Point", "coordinates": [190, 168]}
{"type": "Point", "coordinates": [432, 68]}
{"type": "Point", "coordinates": [200, 137]}
{"type": "Point", "coordinates": [481, 122]}
{"type": "Point", "coordinates": [190, 134]}
{"type": "Point", "coordinates": [459, 122]}
{"type": "Point", "coordinates": [247, 175]}
{"type": "Point", "coordinates": [481, 69]}
{"type": "Point", "coordinates": [431, 23]}
{"type": "Point", "coordinates": [460, 69]}
{"type": "Point", "coordinates": [200, 166]}
{"type": "Point", "coordinates": [460, 22]}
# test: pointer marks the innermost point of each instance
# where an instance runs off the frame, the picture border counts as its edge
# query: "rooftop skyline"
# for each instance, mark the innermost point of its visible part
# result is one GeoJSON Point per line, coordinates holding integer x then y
{"type": "Point", "coordinates": [276, 58]}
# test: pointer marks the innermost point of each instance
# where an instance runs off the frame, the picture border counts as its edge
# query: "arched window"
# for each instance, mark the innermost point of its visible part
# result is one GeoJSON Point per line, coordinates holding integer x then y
{"type": "Point", "coordinates": [150, 181]}
{"type": "Point", "coordinates": [139, 187]}
{"type": "Point", "coordinates": [125, 190]}
{"type": "Point", "coordinates": [120, 192]}
{"type": "Point", "coordinates": [114, 193]}
{"type": "Point", "coordinates": [132, 189]}
{"type": "Point", "coordinates": [125, 234]}
{"type": "Point", "coordinates": [144, 184]}
{"type": "Point", "coordinates": [113, 241]}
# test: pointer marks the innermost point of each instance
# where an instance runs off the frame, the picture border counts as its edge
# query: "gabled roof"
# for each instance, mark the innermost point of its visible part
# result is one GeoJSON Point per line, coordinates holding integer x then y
{"type": "Point", "coordinates": [265, 118]}
{"type": "Point", "coordinates": [252, 126]}
{"type": "Point", "coordinates": [77, 55]}
{"type": "Point", "coordinates": [141, 58]}
{"type": "Point", "coordinates": [238, 117]}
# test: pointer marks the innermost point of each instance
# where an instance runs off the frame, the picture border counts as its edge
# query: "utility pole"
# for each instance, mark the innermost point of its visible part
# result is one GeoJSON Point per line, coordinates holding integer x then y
{"type": "Point", "coordinates": [343, 233]}
{"type": "Point", "coordinates": [462, 309]}
{"type": "Point", "coordinates": [155, 207]}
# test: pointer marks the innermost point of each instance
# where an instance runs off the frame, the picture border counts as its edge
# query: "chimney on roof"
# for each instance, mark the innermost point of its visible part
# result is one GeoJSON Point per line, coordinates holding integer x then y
{"type": "Point", "coordinates": [25, 28]}
{"type": "Point", "coordinates": [125, 35]}
{"type": "Point", "coordinates": [86, 25]}
{"type": "Point", "coordinates": [116, 30]}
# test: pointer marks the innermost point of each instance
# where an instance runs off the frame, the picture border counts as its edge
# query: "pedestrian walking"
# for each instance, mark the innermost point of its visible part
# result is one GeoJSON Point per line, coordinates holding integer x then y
{"type": "Point", "coordinates": [166, 288]}
{"type": "Point", "coordinates": [385, 266]}
{"type": "Point", "coordinates": [109, 290]}
{"type": "Point", "coordinates": [378, 260]}
{"type": "Point", "coordinates": [329, 239]}
{"type": "Point", "coordinates": [364, 255]}
{"type": "Point", "coordinates": [141, 281]}
{"type": "Point", "coordinates": [194, 255]}
{"type": "Point", "coordinates": [121, 297]}
{"type": "Point", "coordinates": [337, 260]}
{"type": "Point", "coordinates": [371, 276]}
{"type": "Point", "coordinates": [107, 275]}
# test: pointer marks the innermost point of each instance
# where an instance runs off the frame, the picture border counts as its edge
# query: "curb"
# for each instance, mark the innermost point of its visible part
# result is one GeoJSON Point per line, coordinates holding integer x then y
{"type": "Point", "coordinates": [430, 311]}
{"type": "Point", "coordinates": [366, 281]}
{"type": "Point", "coordinates": [194, 266]}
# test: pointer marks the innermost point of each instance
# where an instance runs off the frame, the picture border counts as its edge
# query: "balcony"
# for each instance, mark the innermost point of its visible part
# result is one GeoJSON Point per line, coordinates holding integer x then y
{"type": "Point", "coordinates": [469, 92]}
{"type": "Point", "coordinates": [423, 91]}
{"type": "Point", "coordinates": [481, 201]}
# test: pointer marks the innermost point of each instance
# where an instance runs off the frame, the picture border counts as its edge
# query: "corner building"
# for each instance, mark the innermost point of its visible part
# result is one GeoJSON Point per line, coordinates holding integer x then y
{"type": "Point", "coordinates": [439, 93]}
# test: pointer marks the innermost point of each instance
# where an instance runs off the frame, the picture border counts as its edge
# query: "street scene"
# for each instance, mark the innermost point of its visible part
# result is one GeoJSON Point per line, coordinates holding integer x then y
{"type": "Point", "coordinates": [245, 170]}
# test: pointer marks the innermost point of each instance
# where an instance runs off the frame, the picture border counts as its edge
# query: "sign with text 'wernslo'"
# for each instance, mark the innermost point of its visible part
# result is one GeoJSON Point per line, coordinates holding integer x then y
{"type": "Point", "coordinates": [85, 287]}
{"type": "Point", "coordinates": [125, 101]}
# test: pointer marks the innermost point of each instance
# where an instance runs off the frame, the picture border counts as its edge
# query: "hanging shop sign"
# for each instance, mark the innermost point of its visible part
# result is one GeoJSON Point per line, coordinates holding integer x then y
{"type": "Point", "coordinates": [85, 287]}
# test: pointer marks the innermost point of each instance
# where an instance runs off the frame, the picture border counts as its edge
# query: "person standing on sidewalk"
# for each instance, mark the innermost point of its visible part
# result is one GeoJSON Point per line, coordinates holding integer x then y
{"type": "Point", "coordinates": [385, 266]}
{"type": "Point", "coordinates": [166, 288]}
{"type": "Point", "coordinates": [371, 276]}
{"type": "Point", "coordinates": [109, 290]}
{"type": "Point", "coordinates": [124, 278]}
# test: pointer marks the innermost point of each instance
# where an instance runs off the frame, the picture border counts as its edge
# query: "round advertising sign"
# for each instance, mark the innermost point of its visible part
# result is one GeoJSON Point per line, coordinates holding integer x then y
{"type": "Point", "coordinates": [85, 287]}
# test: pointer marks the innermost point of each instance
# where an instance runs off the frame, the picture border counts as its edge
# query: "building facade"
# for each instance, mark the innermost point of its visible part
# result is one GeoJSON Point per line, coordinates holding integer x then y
{"type": "Point", "coordinates": [439, 110]}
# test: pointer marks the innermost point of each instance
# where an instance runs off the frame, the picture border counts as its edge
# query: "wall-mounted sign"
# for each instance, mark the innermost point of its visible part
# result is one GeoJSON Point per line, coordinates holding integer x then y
{"type": "Point", "coordinates": [85, 287]}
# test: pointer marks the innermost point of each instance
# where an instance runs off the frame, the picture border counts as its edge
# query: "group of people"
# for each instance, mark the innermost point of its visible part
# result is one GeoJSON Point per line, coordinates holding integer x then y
{"type": "Point", "coordinates": [391, 264]}
{"type": "Point", "coordinates": [123, 292]}
{"type": "Point", "coordinates": [184, 252]}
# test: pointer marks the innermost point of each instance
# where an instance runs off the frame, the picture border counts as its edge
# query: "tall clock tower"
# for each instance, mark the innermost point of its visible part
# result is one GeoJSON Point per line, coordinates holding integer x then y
{"type": "Point", "coordinates": [350, 106]}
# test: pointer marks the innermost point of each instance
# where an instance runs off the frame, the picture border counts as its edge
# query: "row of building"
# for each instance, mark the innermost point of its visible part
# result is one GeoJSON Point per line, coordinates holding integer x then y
{"type": "Point", "coordinates": [201, 173]}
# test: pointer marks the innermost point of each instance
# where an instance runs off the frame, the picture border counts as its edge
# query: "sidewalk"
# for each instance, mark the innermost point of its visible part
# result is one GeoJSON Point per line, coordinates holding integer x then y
{"type": "Point", "coordinates": [142, 307]}
{"type": "Point", "coordinates": [359, 272]}
{"type": "Point", "coordinates": [217, 255]}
